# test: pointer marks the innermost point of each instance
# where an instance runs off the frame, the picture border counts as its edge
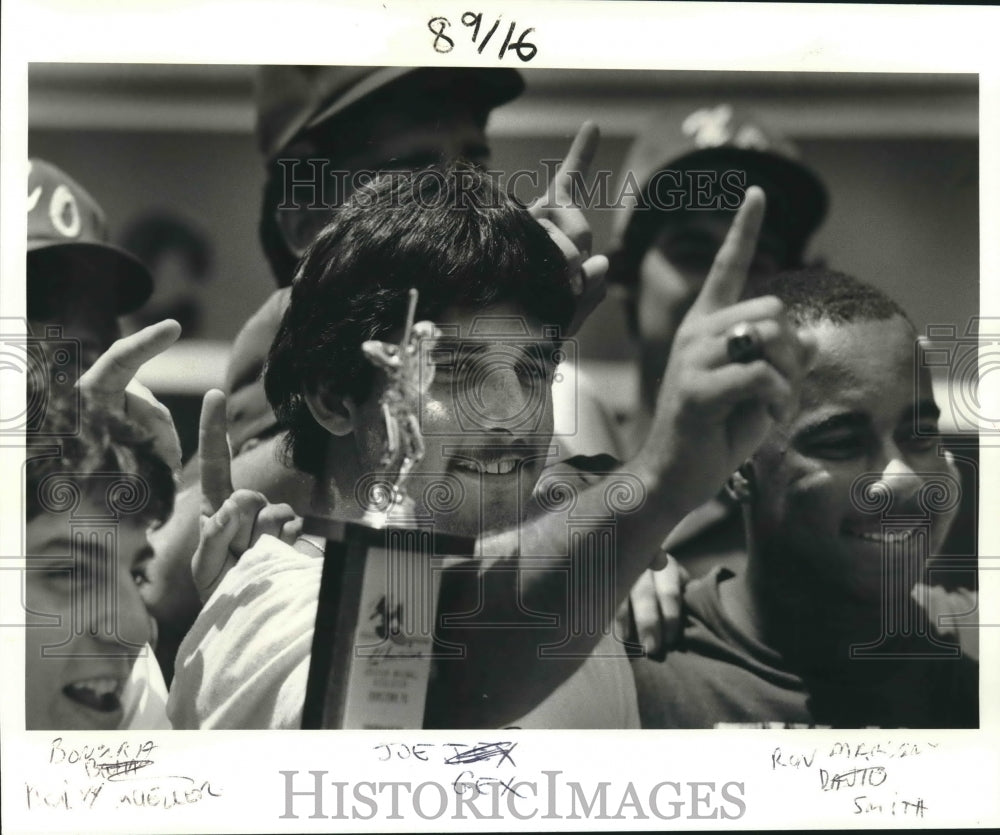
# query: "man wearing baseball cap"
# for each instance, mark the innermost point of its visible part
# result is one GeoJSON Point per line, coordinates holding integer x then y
{"type": "Point", "coordinates": [75, 278]}
{"type": "Point", "coordinates": [683, 178]}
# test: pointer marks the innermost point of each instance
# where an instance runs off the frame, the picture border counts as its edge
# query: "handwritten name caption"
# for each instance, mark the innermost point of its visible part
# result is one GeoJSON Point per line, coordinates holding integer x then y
{"type": "Point", "coordinates": [107, 776]}
{"type": "Point", "coordinates": [850, 767]}
{"type": "Point", "coordinates": [467, 781]}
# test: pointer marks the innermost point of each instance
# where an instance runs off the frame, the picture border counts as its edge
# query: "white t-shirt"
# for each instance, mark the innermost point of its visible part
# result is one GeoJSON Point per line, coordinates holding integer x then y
{"type": "Point", "coordinates": [245, 662]}
{"type": "Point", "coordinates": [144, 698]}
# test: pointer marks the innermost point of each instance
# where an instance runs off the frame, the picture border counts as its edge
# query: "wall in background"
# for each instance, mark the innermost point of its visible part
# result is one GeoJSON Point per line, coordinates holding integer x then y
{"type": "Point", "coordinates": [899, 153]}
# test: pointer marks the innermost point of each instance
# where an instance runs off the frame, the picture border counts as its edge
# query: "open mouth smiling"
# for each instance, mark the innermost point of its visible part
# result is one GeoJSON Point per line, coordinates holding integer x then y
{"type": "Point", "coordinates": [879, 535]}
{"type": "Point", "coordinates": [489, 462]}
{"type": "Point", "coordinates": [101, 693]}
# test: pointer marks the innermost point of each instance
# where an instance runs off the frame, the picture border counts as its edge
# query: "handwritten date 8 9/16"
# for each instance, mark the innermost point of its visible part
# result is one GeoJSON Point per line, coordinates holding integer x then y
{"type": "Point", "coordinates": [443, 43]}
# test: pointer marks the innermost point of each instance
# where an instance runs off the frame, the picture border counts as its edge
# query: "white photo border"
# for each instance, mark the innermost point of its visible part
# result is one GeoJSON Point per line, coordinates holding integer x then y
{"type": "Point", "coordinates": [958, 771]}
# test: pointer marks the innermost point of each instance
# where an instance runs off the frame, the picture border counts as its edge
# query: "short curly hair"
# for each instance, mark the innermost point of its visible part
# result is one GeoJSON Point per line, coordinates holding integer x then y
{"type": "Point", "coordinates": [451, 233]}
{"type": "Point", "coordinates": [80, 440]}
{"type": "Point", "coordinates": [818, 294]}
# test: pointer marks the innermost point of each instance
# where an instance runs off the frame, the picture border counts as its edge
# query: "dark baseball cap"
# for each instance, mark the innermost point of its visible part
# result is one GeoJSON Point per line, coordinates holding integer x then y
{"type": "Point", "coordinates": [294, 99]}
{"type": "Point", "coordinates": [717, 138]}
{"type": "Point", "coordinates": [68, 243]}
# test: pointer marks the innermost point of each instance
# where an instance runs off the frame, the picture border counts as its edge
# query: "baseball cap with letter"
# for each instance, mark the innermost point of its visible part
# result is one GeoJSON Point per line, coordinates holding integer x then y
{"type": "Point", "coordinates": [68, 244]}
{"type": "Point", "coordinates": [720, 138]}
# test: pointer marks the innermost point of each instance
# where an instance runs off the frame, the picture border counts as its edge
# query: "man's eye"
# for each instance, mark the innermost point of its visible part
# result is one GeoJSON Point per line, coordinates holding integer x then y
{"type": "Point", "coordinates": [534, 371]}
{"type": "Point", "coordinates": [927, 437]}
{"type": "Point", "coordinates": [834, 447]}
{"type": "Point", "coordinates": [692, 257]}
{"type": "Point", "coordinates": [139, 575]}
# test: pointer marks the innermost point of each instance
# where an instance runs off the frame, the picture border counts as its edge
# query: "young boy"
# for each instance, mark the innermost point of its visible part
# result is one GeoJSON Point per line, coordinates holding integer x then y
{"type": "Point", "coordinates": [93, 486]}
{"type": "Point", "coordinates": [842, 504]}
{"type": "Point", "coordinates": [490, 277]}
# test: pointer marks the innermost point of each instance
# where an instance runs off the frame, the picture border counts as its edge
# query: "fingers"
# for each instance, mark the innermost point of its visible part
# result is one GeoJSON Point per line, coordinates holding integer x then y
{"type": "Point", "coordinates": [571, 252]}
{"type": "Point", "coordinates": [107, 378]}
{"type": "Point", "coordinates": [668, 585]}
{"type": "Point", "coordinates": [557, 206]}
{"type": "Point", "coordinates": [593, 273]}
{"type": "Point", "coordinates": [623, 620]}
{"type": "Point", "coordinates": [223, 538]}
{"type": "Point", "coordinates": [720, 389]}
{"type": "Point", "coordinates": [780, 345]}
{"type": "Point", "coordinates": [576, 256]}
{"type": "Point", "coordinates": [279, 521]}
{"type": "Point", "coordinates": [247, 505]}
{"type": "Point", "coordinates": [728, 275]}
{"type": "Point", "coordinates": [578, 158]}
{"type": "Point", "coordinates": [657, 605]}
{"type": "Point", "coordinates": [791, 352]}
{"type": "Point", "coordinates": [425, 329]}
{"type": "Point", "coordinates": [646, 612]}
{"type": "Point", "coordinates": [149, 413]}
{"type": "Point", "coordinates": [213, 559]}
{"type": "Point", "coordinates": [213, 452]}
{"type": "Point", "coordinates": [594, 288]}
{"type": "Point", "coordinates": [573, 226]}
{"type": "Point", "coordinates": [234, 528]}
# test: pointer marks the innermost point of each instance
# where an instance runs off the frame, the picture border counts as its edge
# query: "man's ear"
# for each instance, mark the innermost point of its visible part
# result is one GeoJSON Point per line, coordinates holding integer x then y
{"type": "Point", "coordinates": [740, 485]}
{"type": "Point", "coordinates": [334, 412]}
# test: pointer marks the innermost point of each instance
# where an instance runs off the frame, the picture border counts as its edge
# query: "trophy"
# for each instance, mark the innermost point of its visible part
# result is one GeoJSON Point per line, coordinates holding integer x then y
{"type": "Point", "coordinates": [373, 643]}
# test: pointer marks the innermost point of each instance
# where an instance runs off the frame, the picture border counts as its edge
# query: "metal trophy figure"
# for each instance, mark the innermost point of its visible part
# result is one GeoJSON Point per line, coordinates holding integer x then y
{"type": "Point", "coordinates": [407, 378]}
{"type": "Point", "coordinates": [373, 643]}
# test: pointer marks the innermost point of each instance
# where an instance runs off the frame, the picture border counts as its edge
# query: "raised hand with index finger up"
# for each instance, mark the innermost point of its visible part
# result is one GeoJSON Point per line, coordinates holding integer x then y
{"type": "Point", "coordinates": [735, 367]}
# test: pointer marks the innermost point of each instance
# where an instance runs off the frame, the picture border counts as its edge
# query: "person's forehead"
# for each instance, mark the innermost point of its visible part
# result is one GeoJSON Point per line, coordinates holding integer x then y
{"type": "Point", "coordinates": [709, 225]}
{"type": "Point", "coordinates": [864, 365]}
{"type": "Point", "coordinates": [497, 322]}
{"type": "Point", "coordinates": [53, 530]}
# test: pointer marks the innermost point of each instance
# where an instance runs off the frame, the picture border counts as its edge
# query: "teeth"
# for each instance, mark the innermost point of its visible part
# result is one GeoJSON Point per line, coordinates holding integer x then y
{"type": "Point", "coordinates": [100, 694]}
{"type": "Point", "coordinates": [98, 686]}
{"type": "Point", "coordinates": [502, 467]}
{"type": "Point", "coordinates": [890, 536]}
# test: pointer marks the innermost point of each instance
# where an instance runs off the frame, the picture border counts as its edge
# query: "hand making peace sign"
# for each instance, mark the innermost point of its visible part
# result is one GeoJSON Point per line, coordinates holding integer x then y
{"type": "Point", "coordinates": [231, 520]}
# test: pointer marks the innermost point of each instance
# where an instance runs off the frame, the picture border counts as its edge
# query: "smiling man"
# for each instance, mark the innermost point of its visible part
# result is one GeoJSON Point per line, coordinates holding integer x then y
{"type": "Point", "coordinates": [843, 503]}
{"type": "Point", "coordinates": [93, 485]}
{"type": "Point", "coordinates": [323, 131]}
{"type": "Point", "coordinates": [493, 281]}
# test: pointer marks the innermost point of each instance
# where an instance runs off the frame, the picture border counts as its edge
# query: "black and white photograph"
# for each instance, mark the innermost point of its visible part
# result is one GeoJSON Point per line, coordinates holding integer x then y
{"type": "Point", "coordinates": [496, 423]}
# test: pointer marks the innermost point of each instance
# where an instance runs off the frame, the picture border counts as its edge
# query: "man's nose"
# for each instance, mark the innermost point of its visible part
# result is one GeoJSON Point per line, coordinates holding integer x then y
{"type": "Point", "coordinates": [126, 623]}
{"type": "Point", "coordinates": [900, 482]}
{"type": "Point", "coordinates": [502, 399]}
